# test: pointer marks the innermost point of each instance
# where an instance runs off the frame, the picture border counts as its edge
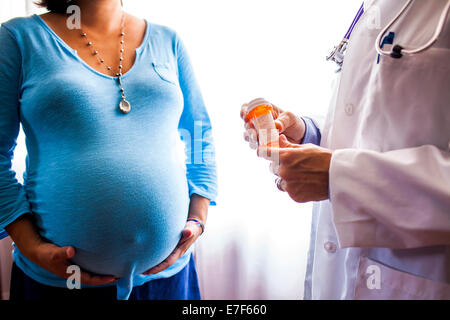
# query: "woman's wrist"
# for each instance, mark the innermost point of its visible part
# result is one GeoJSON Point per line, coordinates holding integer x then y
{"type": "Point", "coordinates": [24, 235]}
{"type": "Point", "coordinates": [197, 223]}
{"type": "Point", "coordinates": [198, 211]}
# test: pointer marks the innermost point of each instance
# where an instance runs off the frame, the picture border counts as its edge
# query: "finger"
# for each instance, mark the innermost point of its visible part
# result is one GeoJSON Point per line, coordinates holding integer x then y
{"type": "Point", "coordinates": [284, 143]}
{"type": "Point", "coordinates": [284, 121]}
{"type": "Point", "coordinates": [62, 253]}
{"type": "Point", "coordinates": [70, 252]}
{"type": "Point", "coordinates": [244, 111]}
{"type": "Point", "coordinates": [246, 136]}
{"type": "Point", "coordinates": [276, 111]}
{"type": "Point", "coordinates": [90, 279]}
{"type": "Point", "coordinates": [187, 238]}
{"type": "Point", "coordinates": [275, 168]}
{"type": "Point", "coordinates": [252, 136]}
{"type": "Point", "coordinates": [62, 270]}
{"type": "Point", "coordinates": [249, 125]}
{"type": "Point", "coordinates": [174, 256]}
{"type": "Point", "coordinates": [272, 154]}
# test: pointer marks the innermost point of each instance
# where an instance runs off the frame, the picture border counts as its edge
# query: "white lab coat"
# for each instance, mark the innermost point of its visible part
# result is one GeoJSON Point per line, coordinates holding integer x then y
{"type": "Point", "coordinates": [385, 233]}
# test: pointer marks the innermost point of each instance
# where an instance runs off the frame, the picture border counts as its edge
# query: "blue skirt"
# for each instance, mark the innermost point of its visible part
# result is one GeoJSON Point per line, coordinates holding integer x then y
{"type": "Point", "coordinates": [182, 286]}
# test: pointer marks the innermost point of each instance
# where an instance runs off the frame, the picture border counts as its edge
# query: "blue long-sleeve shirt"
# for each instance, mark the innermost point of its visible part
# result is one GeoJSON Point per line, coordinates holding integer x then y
{"type": "Point", "coordinates": [112, 185]}
{"type": "Point", "coordinates": [3, 234]}
{"type": "Point", "coordinates": [312, 133]}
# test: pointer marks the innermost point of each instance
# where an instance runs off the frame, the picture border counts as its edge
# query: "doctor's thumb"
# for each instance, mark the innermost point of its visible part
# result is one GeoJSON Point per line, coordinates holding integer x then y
{"type": "Point", "coordinates": [280, 125]}
{"type": "Point", "coordinates": [284, 121]}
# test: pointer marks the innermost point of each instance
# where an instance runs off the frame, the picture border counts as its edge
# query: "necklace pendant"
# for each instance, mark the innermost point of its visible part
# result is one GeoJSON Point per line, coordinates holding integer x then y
{"type": "Point", "coordinates": [125, 106]}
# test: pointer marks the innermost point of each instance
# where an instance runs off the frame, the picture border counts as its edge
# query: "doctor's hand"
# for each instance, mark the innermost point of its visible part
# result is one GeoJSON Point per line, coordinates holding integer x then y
{"type": "Point", "coordinates": [303, 170]}
{"type": "Point", "coordinates": [287, 123]}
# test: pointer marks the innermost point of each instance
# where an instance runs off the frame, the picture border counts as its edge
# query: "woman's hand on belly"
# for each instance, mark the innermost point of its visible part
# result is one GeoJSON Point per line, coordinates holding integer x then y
{"type": "Point", "coordinates": [47, 255]}
{"type": "Point", "coordinates": [190, 234]}
{"type": "Point", "coordinates": [198, 209]}
{"type": "Point", "coordinates": [56, 260]}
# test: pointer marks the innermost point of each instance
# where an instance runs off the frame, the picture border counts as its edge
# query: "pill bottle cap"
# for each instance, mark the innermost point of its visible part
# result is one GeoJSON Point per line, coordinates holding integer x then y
{"type": "Point", "coordinates": [253, 112]}
{"type": "Point", "coordinates": [256, 103]}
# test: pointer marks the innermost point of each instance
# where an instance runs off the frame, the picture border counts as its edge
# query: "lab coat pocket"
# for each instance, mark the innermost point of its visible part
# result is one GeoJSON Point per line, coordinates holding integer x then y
{"type": "Point", "coordinates": [166, 72]}
{"type": "Point", "coordinates": [376, 281]}
{"type": "Point", "coordinates": [411, 92]}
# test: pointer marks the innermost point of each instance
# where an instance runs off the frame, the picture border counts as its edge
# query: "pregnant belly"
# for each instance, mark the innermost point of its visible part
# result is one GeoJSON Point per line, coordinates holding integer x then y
{"type": "Point", "coordinates": [117, 217]}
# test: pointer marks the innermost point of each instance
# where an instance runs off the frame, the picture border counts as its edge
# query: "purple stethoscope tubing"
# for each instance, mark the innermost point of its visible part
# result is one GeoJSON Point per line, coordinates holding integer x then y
{"type": "Point", "coordinates": [355, 21]}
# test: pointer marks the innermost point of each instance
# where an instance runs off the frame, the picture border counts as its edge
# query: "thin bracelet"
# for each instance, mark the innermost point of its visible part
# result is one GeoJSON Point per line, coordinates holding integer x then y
{"type": "Point", "coordinates": [198, 223]}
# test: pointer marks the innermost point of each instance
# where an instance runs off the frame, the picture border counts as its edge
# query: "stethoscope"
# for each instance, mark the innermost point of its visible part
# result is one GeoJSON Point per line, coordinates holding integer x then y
{"type": "Point", "coordinates": [397, 51]}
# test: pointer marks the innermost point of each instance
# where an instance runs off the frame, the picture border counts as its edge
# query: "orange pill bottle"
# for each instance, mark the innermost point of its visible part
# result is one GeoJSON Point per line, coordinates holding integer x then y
{"type": "Point", "coordinates": [260, 113]}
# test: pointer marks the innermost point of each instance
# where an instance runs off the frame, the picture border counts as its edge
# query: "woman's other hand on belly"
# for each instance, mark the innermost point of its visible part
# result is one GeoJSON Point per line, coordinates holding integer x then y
{"type": "Point", "coordinates": [47, 255]}
{"type": "Point", "coordinates": [198, 210]}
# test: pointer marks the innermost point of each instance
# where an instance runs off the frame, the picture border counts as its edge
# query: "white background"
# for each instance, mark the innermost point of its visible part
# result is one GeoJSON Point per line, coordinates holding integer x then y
{"type": "Point", "coordinates": [257, 238]}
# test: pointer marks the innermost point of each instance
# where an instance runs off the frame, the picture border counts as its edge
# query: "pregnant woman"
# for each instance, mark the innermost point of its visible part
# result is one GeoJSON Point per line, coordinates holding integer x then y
{"type": "Point", "coordinates": [103, 108]}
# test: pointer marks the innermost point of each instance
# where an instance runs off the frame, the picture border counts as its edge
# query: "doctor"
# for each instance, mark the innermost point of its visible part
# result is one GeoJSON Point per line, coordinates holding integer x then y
{"type": "Point", "coordinates": [380, 178]}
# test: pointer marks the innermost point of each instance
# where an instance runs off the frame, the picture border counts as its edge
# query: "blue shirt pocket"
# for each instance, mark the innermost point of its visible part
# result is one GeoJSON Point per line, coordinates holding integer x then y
{"type": "Point", "coordinates": [166, 72]}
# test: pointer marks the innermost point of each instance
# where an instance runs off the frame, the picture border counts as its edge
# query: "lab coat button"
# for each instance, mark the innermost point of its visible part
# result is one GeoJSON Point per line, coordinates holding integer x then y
{"type": "Point", "coordinates": [349, 109]}
{"type": "Point", "coordinates": [330, 247]}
